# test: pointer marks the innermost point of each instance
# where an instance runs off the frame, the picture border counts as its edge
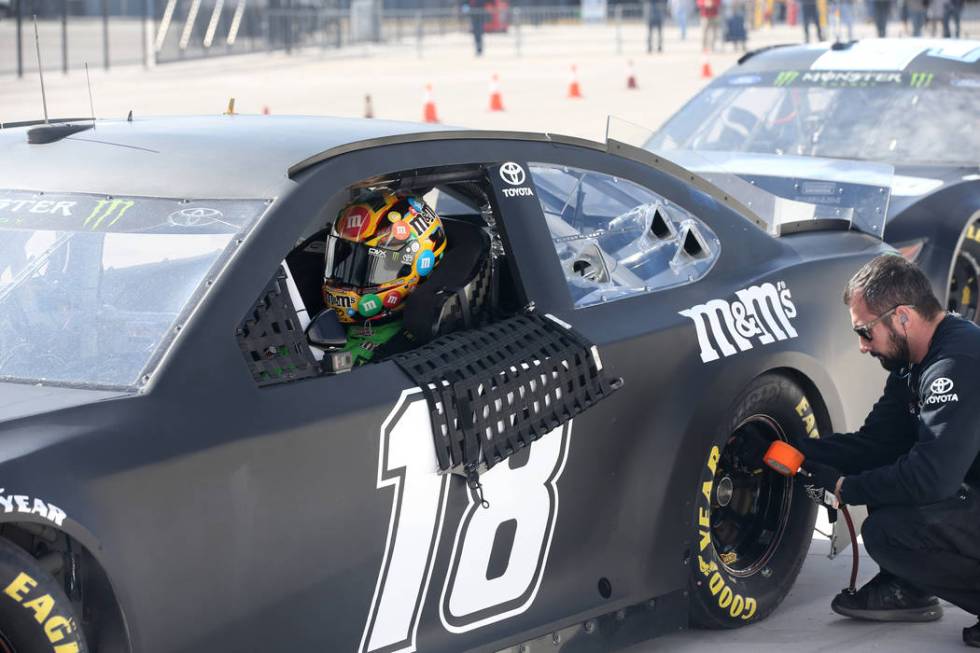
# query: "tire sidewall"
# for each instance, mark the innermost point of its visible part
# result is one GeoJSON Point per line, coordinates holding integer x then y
{"type": "Point", "coordinates": [970, 247]}
{"type": "Point", "coordinates": [35, 614]}
{"type": "Point", "coordinates": [720, 599]}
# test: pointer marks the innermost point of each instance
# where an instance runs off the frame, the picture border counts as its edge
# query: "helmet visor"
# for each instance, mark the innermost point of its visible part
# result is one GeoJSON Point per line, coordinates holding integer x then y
{"type": "Point", "coordinates": [357, 265]}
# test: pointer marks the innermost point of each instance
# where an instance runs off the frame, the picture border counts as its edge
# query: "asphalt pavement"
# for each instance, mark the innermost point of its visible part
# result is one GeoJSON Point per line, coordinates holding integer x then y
{"type": "Point", "coordinates": [804, 623]}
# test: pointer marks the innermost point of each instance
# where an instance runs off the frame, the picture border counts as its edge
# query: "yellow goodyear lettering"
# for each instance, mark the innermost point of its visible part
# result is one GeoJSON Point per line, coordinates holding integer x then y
{"type": "Point", "coordinates": [713, 459]}
{"type": "Point", "coordinates": [706, 490]}
{"type": "Point", "coordinates": [716, 583]}
{"type": "Point", "coordinates": [41, 607]}
{"type": "Point", "coordinates": [973, 233]}
{"type": "Point", "coordinates": [725, 599]}
{"type": "Point", "coordinates": [736, 605]}
{"type": "Point", "coordinates": [705, 539]}
{"type": "Point", "coordinates": [58, 629]}
{"type": "Point", "coordinates": [804, 410]}
{"type": "Point", "coordinates": [706, 567]}
{"type": "Point", "coordinates": [20, 586]}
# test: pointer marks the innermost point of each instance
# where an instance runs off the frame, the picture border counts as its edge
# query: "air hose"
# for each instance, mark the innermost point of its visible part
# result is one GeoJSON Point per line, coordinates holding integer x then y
{"type": "Point", "coordinates": [786, 460]}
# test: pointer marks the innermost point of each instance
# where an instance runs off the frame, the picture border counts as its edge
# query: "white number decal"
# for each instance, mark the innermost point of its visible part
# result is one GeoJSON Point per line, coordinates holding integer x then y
{"type": "Point", "coordinates": [499, 554]}
{"type": "Point", "coordinates": [523, 507]}
{"type": "Point", "coordinates": [408, 462]}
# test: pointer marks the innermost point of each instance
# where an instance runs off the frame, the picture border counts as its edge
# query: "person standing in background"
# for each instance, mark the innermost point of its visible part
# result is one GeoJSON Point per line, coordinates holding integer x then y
{"type": "Point", "coordinates": [656, 14]}
{"type": "Point", "coordinates": [735, 30]}
{"type": "Point", "coordinates": [709, 23]}
{"type": "Point", "coordinates": [845, 18]}
{"type": "Point", "coordinates": [880, 9]}
{"type": "Point", "coordinates": [679, 10]}
{"type": "Point", "coordinates": [810, 15]}
{"type": "Point", "coordinates": [917, 14]}
{"type": "Point", "coordinates": [478, 17]}
{"type": "Point", "coordinates": [952, 10]}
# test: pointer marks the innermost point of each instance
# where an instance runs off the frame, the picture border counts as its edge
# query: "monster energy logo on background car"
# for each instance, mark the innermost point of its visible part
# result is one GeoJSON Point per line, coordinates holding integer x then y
{"type": "Point", "coordinates": [761, 312]}
{"type": "Point", "coordinates": [786, 77]}
{"type": "Point", "coordinates": [920, 80]}
{"type": "Point", "coordinates": [106, 209]}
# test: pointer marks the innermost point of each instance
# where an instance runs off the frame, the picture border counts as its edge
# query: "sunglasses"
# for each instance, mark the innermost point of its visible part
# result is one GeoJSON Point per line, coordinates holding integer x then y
{"type": "Point", "coordinates": [864, 330]}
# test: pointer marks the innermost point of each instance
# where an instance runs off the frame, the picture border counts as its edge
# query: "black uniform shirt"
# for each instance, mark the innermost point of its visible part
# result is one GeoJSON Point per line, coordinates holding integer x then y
{"type": "Point", "coordinates": [922, 438]}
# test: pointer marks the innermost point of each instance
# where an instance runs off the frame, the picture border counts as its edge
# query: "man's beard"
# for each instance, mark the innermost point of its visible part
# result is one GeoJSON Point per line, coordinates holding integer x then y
{"type": "Point", "coordinates": [901, 357]}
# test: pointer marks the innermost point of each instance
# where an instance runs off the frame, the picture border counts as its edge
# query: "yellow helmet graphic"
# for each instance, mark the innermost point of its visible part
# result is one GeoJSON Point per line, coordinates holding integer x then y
{"type": "Point", "coordinates": [379, 249]}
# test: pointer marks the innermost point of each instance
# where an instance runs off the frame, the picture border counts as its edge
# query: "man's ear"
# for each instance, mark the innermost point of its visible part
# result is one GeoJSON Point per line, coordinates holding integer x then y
{"type": "Point", "coordinates": [903, 318]}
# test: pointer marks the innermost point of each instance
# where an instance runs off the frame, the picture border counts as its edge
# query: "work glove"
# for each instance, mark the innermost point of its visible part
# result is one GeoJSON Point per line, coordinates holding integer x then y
{"type": "Point", "coordinates": [752, 446]}
{"type": "Point", "coordinates": [820, 482]}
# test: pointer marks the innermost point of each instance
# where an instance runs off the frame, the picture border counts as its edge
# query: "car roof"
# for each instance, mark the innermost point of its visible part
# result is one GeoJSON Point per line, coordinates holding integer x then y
{"type": "Point", "coordinates": [230, 156]}
{"type": "Point", "coordinates": [919, 55]}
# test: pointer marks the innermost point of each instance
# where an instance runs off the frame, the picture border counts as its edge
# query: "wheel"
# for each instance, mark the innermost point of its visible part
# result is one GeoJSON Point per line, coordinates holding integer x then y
{"type": "Point", "coordinates": [963, 290]}
{"type": "Point", "coordinates": [35, 614]}
{"type": "Point", "coordinates": [753, 526]}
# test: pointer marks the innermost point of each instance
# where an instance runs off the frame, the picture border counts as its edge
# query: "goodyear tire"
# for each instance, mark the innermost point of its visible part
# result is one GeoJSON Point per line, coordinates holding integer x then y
{"type": "Point", "coordinates": [35, 614]}
{"type": "Point", "coordinates": [753, 526]}
{"type": "Point", "coordinates": [964, 277]}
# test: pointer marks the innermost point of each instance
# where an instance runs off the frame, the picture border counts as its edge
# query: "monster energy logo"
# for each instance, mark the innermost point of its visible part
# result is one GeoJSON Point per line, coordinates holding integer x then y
{"type": "Point", "coordinates": [786, 77]}
{"type": "Point", "coordinates": [106, 209]}
{"type": "Point", "coordinates": [920, 80]}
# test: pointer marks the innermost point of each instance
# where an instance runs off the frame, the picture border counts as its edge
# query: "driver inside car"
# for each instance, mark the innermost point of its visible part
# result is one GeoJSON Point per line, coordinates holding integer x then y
{"type": "Point", "coordinates": [380, 248]}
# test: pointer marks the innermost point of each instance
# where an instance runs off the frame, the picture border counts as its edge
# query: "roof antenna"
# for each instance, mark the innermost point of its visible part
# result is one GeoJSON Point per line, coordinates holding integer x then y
{"type": "Point", "coordinates": [40, 71]}
{"type": "Point", "coordinates": [91, 105]}
{"type": "Point", "coordinates": [48, 132]}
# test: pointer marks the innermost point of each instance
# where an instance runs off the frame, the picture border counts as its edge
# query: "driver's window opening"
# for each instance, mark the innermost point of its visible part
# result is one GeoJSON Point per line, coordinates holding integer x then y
{"type": "Point", "coordinates": [390, 264]}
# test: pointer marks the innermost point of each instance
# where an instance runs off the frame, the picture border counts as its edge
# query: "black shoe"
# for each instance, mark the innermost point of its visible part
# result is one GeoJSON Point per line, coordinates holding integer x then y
{"type": "Point", "coordinates": [971, 635]}
{"type": "Point", "coordinates": [888, 598]}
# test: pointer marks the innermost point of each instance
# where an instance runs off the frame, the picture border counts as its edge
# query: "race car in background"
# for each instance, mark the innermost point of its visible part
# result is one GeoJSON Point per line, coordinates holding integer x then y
{"type": "Point", "coordinates": [909, 103]}
{"type": "Point", "coordinates": [188, 463]}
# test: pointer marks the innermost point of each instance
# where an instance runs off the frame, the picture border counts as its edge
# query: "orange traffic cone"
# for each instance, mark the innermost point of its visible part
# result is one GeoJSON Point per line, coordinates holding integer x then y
{"type": "Point", "coordinates": [429, 106]}
{"type": "Point", "coordinates": [368, 107]}
{"type": "Point", "coordinates": [265, 110]}
{"type": "Point", "coordinates": [574, 90]}
{"type": "Point", "coordinates": [630, 75]}
{"type": "Point", "coordinates": [496, 100]}
{"type": "Point", "coordinates": [706, 69]}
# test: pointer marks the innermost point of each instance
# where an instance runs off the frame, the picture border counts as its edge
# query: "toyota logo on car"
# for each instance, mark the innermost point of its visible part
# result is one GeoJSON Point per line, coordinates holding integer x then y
{"type": "Point", "coordinates": [514, 174]}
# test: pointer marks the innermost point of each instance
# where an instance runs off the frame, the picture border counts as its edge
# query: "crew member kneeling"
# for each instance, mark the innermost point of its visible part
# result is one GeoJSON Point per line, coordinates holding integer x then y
{"type": "Point", "coordinates": [915, 460]}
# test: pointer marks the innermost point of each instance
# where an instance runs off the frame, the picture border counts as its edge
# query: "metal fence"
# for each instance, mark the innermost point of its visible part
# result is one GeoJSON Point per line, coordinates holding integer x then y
{"type": "Point", "coordinates": [151, 32]}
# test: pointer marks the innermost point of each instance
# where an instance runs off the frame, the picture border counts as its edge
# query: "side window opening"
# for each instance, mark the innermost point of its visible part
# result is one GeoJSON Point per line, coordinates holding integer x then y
{"type": "Point", "coordinates": [469, 284]}
{"type": "Point", "coordinates": [617, 239]}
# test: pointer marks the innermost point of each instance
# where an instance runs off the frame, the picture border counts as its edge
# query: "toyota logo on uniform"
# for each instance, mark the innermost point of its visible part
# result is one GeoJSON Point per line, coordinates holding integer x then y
{"type": "Point", "coordinates": [194, 217]}
{"type": "Point", "coordinates": [512, 173]}
{"type": "Point", "coordinates": [941, 391]}
{"type": "Point", "coordinates": [941, 386]}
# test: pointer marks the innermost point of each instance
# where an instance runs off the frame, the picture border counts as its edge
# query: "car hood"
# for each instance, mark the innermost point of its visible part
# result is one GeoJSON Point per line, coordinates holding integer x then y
{"type": "Point", "coordinates": [20, 400]}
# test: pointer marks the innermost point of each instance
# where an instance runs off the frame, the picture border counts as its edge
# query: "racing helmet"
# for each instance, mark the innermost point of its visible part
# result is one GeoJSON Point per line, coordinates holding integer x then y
{"type": "Point", "coordinates": [380, 247]}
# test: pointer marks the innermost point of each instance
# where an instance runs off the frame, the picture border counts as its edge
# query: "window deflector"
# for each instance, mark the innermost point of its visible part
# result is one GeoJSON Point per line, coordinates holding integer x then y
{"type": "Point", "coordinates": [783, 190]}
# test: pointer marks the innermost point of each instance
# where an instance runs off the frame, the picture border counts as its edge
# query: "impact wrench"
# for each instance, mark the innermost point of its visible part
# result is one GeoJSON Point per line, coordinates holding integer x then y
{"type": "Point", "coordinates": [787, 460]}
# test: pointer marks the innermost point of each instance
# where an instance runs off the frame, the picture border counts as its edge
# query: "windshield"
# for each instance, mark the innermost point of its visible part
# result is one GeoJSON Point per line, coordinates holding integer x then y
{"type": "Point", "coordinates": [897, 117]}
{"type": "Point", "coordinates": [92, 288]}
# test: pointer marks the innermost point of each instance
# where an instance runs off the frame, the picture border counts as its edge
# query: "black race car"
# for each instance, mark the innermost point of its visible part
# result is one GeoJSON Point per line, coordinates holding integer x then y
{"type": "Point", "coordinates": [908, 103]}
{"type": "Point", "coordinates": [189, 462]}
